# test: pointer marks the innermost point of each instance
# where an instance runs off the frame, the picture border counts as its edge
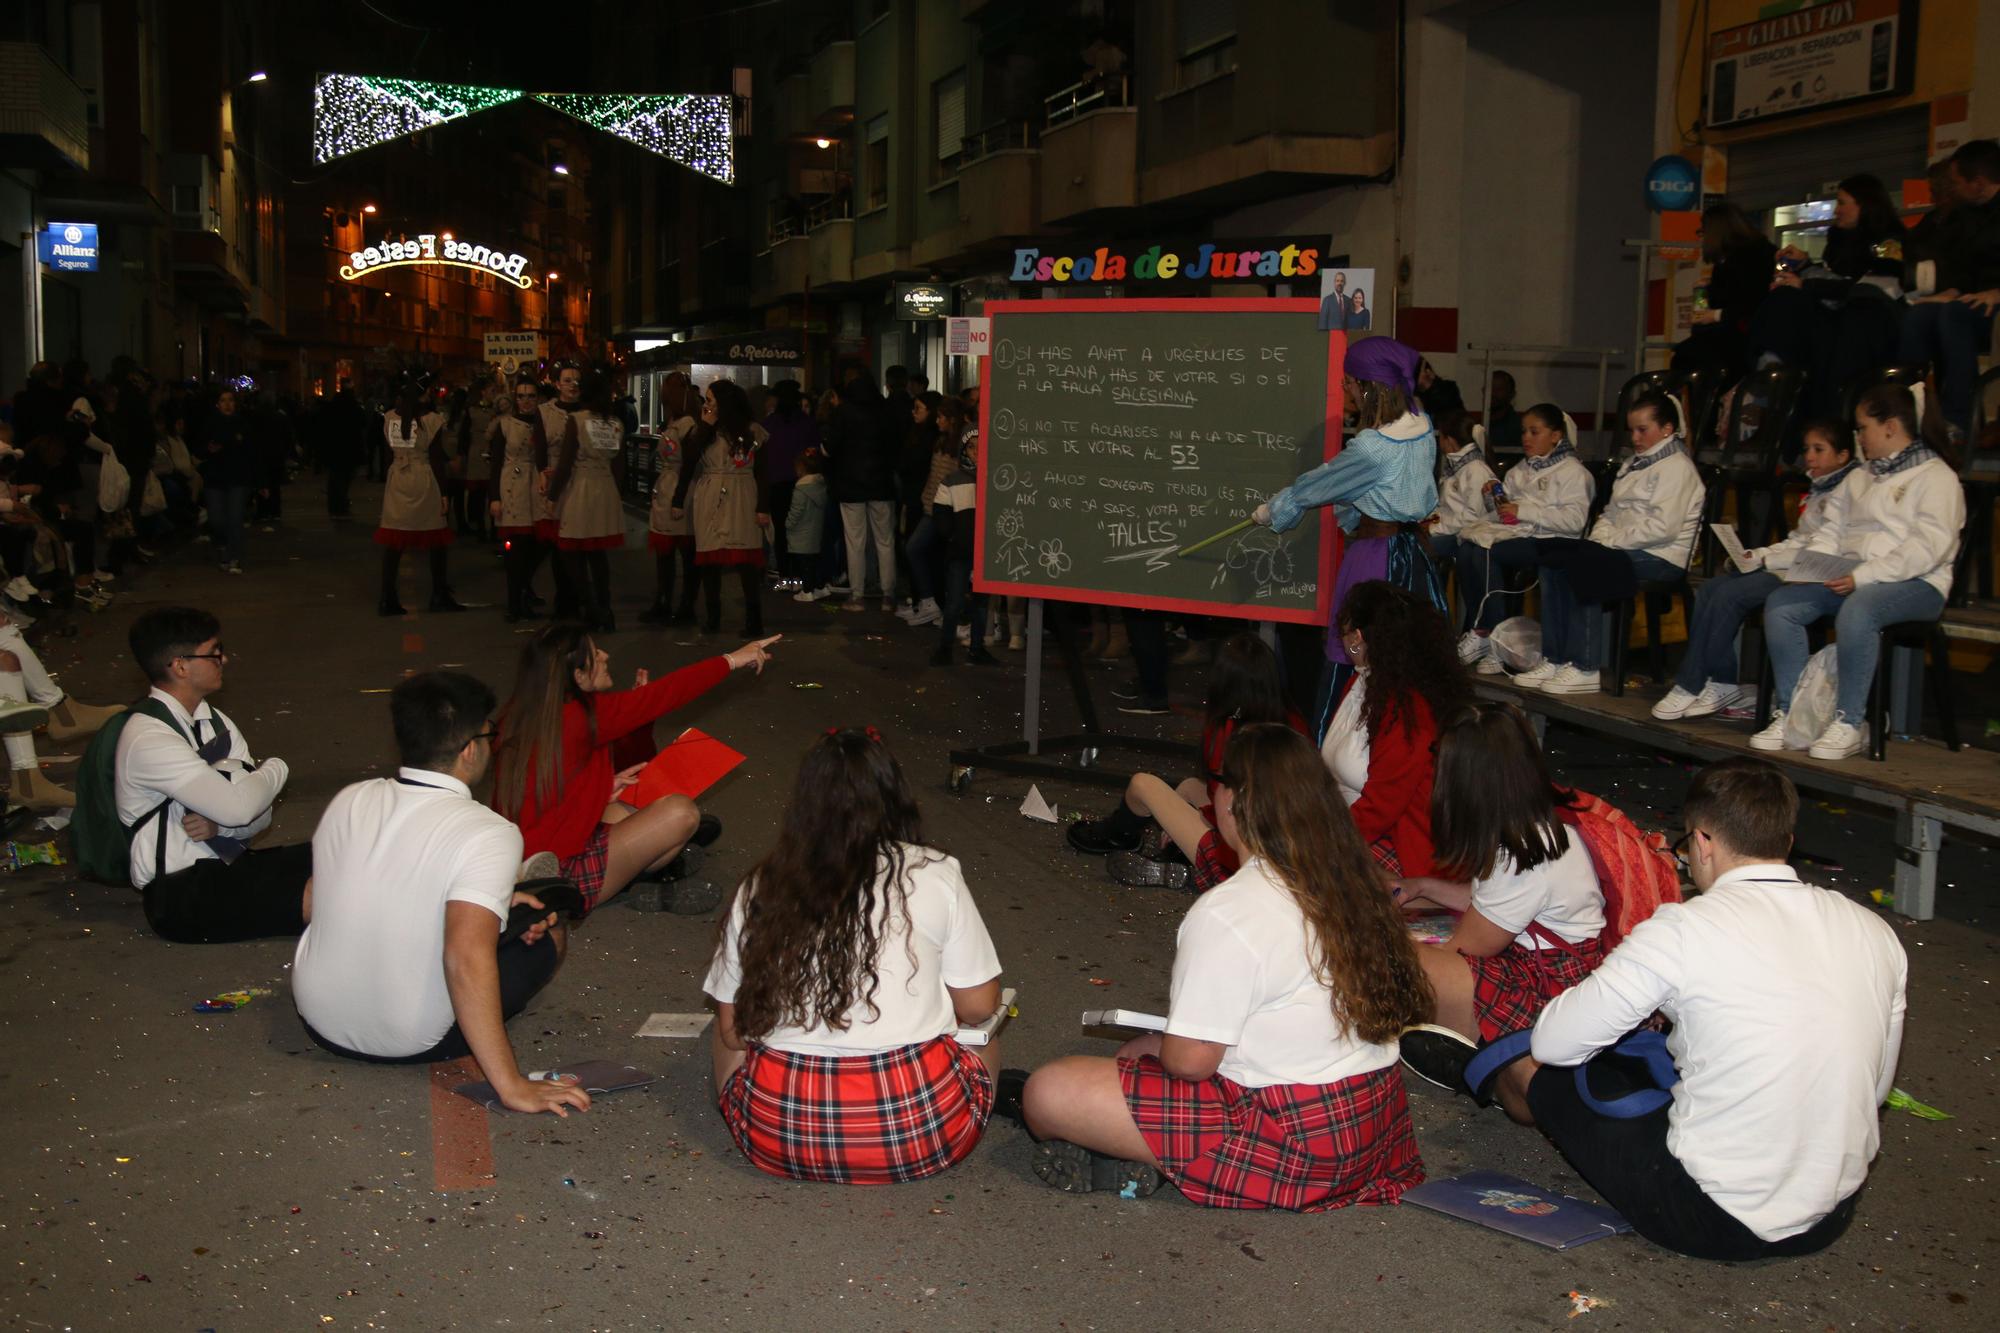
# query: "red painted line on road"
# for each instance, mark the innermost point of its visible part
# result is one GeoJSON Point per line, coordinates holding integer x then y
{"type": "Point", "coordinates": [413, 643]}
{"type": "Point", "coordinates": [461, 1147]}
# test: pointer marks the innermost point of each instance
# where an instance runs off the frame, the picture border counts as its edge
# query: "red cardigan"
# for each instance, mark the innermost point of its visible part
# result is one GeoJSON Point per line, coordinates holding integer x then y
{"type": "Point", "coordinates": [1396, 800]}
{"type": "Point", "coordinates": [585, 773]}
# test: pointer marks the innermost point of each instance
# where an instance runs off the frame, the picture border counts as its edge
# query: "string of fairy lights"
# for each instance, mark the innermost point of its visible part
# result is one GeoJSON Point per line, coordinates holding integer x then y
{"type": "Point", "coordinates": [352, 112]}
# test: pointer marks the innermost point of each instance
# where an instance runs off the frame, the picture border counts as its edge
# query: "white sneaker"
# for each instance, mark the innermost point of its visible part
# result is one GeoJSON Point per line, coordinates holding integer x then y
{"type": "Point", "coordinates": [1472, 647]}
{"type": "Point", "coordinates": [1571, 680]}
{"type": "Point", "coordinates": [1675, 706]}
{"type": "Point", "coordinates": [906, 611]}
{"type": "Point", "coordinates": [1535, 677]}
{"type": "Point", "coordinates": [1490, 665]}
{"type": "Point", "coordinates": [926, 613]}
{"type": "Point", "coordinates": [1773, 736]}
{"type": "Point", "coordinates": [965, 634]}
{"type": "Point", "coordinates": [1016, 642]}
{"type": "Point", "coordinates": [809, 595]}
{"type": "Point", "coordinates": [1714, 697]}
{"type": "Point", "coordinates": [1840, 740]}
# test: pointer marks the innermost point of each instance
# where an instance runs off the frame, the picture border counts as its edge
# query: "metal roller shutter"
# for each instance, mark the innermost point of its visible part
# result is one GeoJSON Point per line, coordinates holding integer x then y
{"type": "Point", "coordinates": [1791, 167]}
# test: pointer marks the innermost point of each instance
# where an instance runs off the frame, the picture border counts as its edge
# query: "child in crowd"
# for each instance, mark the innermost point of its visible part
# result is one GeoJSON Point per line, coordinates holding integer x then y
{"type": "Point", "coordinates": [552, 769]}
{"type": "Point", "coordinates": [805, 519]}
{"type": "Point", "coordinates": [1786, 1003]}
{"type": "Point", "coordinates": [1707, 680]}
{"type": "Point", "coordinates": [1900, 523]}
{"type": "Point", "coordinates": [1464, 476]}
{"type": "Point", "coordinates": [851, 957]}
{"type": "Point", "coordinates": [1275, 1083]}
{"type": "Point", "coordinates": [1645, 534]}
{"type": "Point", "coordinates": [955, 501]}
{"type": "Point", "coordinates": [671, 539]}
{"type": "Point", "coordinates": [1244, 688]}
{"type": "Point", "coordinates": [1379, 745]}
{"type": "Point", "coordinates": [1532, 907]}
{"type": "Point", "coordinates": [947, 446]}
{"type": "Point", "coordinates": [1547, 494]}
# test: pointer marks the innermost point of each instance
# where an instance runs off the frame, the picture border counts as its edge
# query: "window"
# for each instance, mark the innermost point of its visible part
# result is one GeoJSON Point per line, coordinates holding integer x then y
{"type": "Point", "coordinates": [948, 122]}
{"type": "Point", "coordinates": [875, 160]}
{"type": "Point", "coordinates": [1204, 38]}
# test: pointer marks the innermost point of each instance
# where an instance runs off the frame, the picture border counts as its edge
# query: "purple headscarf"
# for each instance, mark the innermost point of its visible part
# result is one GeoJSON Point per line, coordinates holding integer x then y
{"type": "Point", "coordinates": [1384, 361]}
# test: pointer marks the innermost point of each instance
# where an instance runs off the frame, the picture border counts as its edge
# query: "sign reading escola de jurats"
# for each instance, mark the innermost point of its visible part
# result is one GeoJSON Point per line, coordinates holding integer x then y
{"type": "Point", "coordinates": [1116, 433]}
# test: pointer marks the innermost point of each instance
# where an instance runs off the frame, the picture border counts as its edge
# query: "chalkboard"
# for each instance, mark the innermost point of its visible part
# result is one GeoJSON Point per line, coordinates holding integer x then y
{"type": "Point", "coordinates": [1113, 433]}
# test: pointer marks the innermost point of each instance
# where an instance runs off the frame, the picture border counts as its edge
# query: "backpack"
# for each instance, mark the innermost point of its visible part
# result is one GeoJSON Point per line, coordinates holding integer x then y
{"type": "Point", "coordinates": [99, 841]}
{"type": "Point", "coordinates": [1635, 869]}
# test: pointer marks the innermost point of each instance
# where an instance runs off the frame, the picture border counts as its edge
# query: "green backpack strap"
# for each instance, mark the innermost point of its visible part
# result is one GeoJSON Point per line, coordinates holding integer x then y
{"type": "Point", "coordinates": [159, 712]}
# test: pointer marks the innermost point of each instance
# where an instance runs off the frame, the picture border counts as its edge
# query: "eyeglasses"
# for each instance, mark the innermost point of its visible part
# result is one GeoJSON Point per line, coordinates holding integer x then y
{"type": "Point", "coordinates": [1679, 848]}
{"type": "Point", "coordinates": [489, 734]}
{"type": "Point", "coordinates": [219, 655]}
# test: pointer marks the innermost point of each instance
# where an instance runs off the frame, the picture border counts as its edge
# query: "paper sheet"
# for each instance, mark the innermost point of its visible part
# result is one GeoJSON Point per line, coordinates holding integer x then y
{"type": "Point", "coordinates": [674, 1025]}
{"type": "Point", "coordinates": [1034, 807]}
{"type": "Point", "coordinates": [1732, 544]}
{"type": "Point", "coordinates": [1819, 567]}
{"type": "Point", "coordinates": [692, 763]}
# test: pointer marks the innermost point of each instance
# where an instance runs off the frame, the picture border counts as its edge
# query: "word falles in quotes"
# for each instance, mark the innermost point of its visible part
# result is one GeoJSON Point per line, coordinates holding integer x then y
{"type": "Point", "coordinates": [1158, 263]}
{"type": "Point", "coordinates": [430, 249]}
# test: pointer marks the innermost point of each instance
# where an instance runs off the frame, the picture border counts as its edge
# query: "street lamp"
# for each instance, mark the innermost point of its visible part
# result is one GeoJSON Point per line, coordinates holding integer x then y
{"type": "Point", "coordinates": [368, 208]}
{"type": "Point", "coordinates": [823, 143]}
{"type": "Point", "coordinates": [553, 275]}
{"type": "Point", "coordinates": [560, 169]}
{"type": "Point", "coordinates": [258, 77]}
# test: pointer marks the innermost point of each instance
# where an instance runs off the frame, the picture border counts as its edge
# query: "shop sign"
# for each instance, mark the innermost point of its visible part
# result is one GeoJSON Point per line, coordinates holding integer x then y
{"type": "Point", "coordinates": [513, 350]}
{"type": "Point", "coordinates": [1673, 185]}
{"type": "Point", "coordinates": [968, 336]}
{"type": "Point", "coordinates": [921, 300]}
{"type": "Point", "coordinates": [770, 347]}
{"type": "Point", "coordinates": [430, 249]}
{"type": "Point", "coordinates": [1189, 261]}
{"type": "Point", "coordinates": [1809, 59]}
{"type": "Point", "coordinates": [69, 247]}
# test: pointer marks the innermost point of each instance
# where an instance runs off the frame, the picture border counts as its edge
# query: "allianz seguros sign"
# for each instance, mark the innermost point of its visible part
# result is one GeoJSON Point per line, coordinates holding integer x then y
{"type": "Point", "coordinates": [430, 249]}
{"type": "Point", "coordinates": [69, 247]}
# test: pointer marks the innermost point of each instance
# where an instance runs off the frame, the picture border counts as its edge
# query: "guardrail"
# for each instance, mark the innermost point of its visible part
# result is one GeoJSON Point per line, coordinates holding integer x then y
{"type": "Point", "coordinates": [1086, 95]}
{"type": "Point", "coordinates": [1548, 355]}
{"type": "Point", "coordinates": [1002, 137]}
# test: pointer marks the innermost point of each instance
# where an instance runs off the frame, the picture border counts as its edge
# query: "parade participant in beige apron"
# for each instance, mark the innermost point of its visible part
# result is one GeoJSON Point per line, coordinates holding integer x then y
{"type": "Point", "coordinates": [671, 539]}
{"type": "Point", "coordinates": [522, 516]}
{"type": "Point", "coordinates": [413, 508]}
{"type": "Point", "coordinates": [583, 486]}
{"type": "Point", "coordinates": [722, 493]}
{"type": "Point", "coordinates": [490, 400]}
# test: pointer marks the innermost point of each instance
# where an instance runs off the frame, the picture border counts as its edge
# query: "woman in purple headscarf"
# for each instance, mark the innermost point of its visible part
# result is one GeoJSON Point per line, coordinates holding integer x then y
{"type": "Point", "coordinates": [1380, 486]}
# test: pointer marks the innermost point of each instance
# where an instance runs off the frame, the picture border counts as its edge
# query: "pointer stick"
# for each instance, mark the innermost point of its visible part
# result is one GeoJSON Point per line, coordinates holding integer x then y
{"type": "Point", "coordinates": [1210, 541]}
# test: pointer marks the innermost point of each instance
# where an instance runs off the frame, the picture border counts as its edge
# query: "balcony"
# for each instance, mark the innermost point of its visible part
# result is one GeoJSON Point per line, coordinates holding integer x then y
{"type": "Point", "coordinates": [780, 270]}
{"type": "Point", "coordinates": [1090, 151]}
{"type": "Point", "coordinates": [830, 232]}
{"type": "Point", "coordinates": [794, 104]}
{"type": "Point", "coordinates": [999, 175]}
{"type": "Point", "coordinates": [831, 76]}
{"type": "Point", "coordinates": [42, 117]}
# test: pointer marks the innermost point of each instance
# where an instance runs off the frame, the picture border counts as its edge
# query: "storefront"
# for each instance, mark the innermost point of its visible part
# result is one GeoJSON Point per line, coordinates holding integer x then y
{"type": "Point", "coordinates": [759, 358]}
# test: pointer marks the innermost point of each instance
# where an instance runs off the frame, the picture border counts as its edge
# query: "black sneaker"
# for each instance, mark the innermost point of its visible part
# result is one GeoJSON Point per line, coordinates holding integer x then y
{"type": "Point", "coordinates": [1007, 1094]}
{"type": "Point", "coordinates": [1146, 708]}
{"type": "Point", "coordinates": [1127, 690]}
{"type": "Point", "coordinates": [1438, 1055]}
{"type": "Point", "coordinates": [1095, 837]}
{"type": "Point", "coordinates": [1143, 872]}
{"type": "Point", "coordinates": [1077, 1170]}
{"type": "Point", "coordinates": [685, 897]}
{"type": "Point", "coordinates": [980, 657]}
{"type": "Point", "coordinates": [706, 831]}
{"type": "Point", "coordinates": [942, 657]}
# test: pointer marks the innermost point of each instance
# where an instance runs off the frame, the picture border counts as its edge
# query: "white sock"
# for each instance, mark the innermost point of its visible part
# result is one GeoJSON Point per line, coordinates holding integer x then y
{"type": "Point", "coordinates": [21, 750]}
{"type": "Point", "coordinates": [13, 687]}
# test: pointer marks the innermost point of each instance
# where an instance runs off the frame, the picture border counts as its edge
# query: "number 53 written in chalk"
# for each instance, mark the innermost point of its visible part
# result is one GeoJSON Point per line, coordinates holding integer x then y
{"type": "Point", "coordinates": [1184, 456]}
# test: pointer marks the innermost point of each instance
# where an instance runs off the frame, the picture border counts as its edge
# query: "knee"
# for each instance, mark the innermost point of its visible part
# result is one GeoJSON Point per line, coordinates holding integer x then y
{"type": "Point", "coordinates": [9, 661]}
{"type": "Point", "coordinates": [1048, 1092]}
{"type": "Point", "coordinates": [678, 816]}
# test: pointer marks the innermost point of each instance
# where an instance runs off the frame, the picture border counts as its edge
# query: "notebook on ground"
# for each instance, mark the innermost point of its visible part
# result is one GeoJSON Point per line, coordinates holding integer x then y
{"type": "Point", "coordinates": [1504, 1203]}
{"type": "Point", "coordinates": [693, 762]}
{"type": "Point", "coordinates": [597, 1077]}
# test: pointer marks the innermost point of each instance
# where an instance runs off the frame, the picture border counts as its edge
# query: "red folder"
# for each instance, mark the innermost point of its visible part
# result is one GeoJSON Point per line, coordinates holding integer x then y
{"type": "Point", "coordinates": [693, 762]}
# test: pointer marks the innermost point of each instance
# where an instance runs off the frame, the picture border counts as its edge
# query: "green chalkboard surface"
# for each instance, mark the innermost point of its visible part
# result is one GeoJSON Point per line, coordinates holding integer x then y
{"type": "Point", "coordinates": [1115, 433]}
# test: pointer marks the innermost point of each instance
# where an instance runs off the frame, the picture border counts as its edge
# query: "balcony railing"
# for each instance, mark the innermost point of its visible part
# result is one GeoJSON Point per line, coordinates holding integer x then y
{"type": "Point", "coordinates": [1087, 95]}
{"type": "Point", "coordinates": [784, 229]}
{"type": "Point", "coordinates": [998, 138]}
{"type": "Point", "coordinates": [837, 208]}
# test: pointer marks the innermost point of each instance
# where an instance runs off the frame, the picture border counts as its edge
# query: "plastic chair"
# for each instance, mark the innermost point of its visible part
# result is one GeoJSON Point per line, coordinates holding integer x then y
{"type": "Point", "coordinates": [1924, 636]}
{"type": "Point", "coordinates": [1658, 596]}
{"type": "Point", "coordinates": [1762, 418]}
{"type": "Point", "coordinates": [1661, 381]}
{"type": "Point", "coordinates": [1979, 470]}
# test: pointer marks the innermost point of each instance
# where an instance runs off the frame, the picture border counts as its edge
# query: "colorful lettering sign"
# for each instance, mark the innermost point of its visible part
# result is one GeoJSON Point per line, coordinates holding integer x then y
{"type": "Point", "coordinates": [1193, 261]}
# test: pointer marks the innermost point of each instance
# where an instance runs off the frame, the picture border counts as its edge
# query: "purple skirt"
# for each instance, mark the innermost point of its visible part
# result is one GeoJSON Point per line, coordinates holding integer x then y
{"type": "Point", "coordinates": [1361, 560]}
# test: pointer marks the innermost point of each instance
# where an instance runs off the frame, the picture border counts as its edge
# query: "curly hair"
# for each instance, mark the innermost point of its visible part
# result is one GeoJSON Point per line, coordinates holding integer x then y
{"type": "Point", "coordinates": [811, 933]}
{"type": "Point", "coordinates": [1410, 652]}
{"type": "Point", "coordinates": [1289, 813]}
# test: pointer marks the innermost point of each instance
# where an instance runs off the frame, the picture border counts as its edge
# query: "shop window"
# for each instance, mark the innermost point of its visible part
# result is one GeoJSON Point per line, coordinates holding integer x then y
{"type": "Point", "coordinates": [948, 123]}
{"type": "Point", "coordinates": [875, 160]}
{"type": "Point", "coordinates": [1204, 38]}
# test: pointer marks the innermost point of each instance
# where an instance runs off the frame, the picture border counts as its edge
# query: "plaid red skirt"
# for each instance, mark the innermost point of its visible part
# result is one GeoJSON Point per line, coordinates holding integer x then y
{"type": "Point", "coordinates": [860, 1119]}
{"type": "Point", "coordinates": [1510, 989]}
{"type": "Point", "coordinates": [1214, 859]}
{"type": "Point", "coordinates": [586, 868]}
{"type": "Point", "coordinates": [1290, 1146]}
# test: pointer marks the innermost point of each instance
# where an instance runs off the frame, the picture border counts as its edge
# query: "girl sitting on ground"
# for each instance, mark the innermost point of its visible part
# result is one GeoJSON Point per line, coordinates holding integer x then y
{"type": "Point", "coordinates": [1464, 475]}
{"type": "Point", "coordinates": [1275, 1083]}
{"type": "Point", "coordinates": [851, 957]}
{"type": "Point", "coordinates": [553, 772]}
{"type": "Point", "coordinates": [1547, 494]}
{"type": "Point", "coordinates": [1707, 680]}
{"type": "Point", "coordinates": [1532, 907]}
{"type": "Point", "coordinates": [1162, 836]}
{"type": "Point", "coordinates": [1379, 746]}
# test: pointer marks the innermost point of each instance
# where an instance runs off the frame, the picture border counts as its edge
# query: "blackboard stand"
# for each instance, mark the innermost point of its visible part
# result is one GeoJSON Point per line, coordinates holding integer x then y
{"type": "Point", "coordinates": [1035, 757]}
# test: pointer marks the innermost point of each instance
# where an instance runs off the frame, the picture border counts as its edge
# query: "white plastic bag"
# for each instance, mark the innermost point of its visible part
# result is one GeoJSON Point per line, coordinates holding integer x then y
{"type": "Point", "coordinates": [114, 485]}
{"type": "Point", "coordinates": [1812, 708]}
{"type": "Point", "coordinates": [154, 499]}
{"type": "Point", "coordinates": [1517, 643]}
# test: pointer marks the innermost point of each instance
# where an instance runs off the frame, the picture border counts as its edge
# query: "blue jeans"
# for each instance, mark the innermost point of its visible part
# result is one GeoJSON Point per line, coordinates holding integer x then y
{"type": "Point", "coordinates": [1481, 570]}
{"type": "Point", "coordinates": [922, 550]}
{"type": "Point", "coordinates": [1572, 630]}
{"type": "Point", "coordinates": [1720, 608]}
{"type": "Point", "coordinates": [962, 605]}
{"type": "Point", "coordinates": [1858, 620]}
{"type": "Point", "coordinates": [1951, 336]}
{"type": "Point", "coordinates": [227, 506]}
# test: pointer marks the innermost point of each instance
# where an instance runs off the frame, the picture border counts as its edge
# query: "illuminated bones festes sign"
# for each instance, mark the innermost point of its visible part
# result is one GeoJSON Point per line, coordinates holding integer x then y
{"type": "Point", "coordinates": [433, 250]}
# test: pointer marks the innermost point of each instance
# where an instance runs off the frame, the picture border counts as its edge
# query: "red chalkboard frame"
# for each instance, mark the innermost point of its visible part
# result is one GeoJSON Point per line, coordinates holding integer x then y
{"type": "Point", "coordinates": [1329, 531]}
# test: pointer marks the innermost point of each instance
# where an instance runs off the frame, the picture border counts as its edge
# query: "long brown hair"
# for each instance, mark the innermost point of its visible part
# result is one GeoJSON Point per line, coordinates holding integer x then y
{"type": "Point", "coordinates": [1492, 793]}
{"type": "Point", "coordinates": [527, 762]}
{"type": "Point", "coordinates": [1290, 815]}
{"type": "Point", "coordinates": [810, 937]}
{"type": "Point", "coordinates": [676, 389]}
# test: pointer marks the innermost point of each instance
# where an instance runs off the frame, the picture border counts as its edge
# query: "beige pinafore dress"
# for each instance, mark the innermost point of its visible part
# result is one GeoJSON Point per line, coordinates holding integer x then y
{"type": "Point", "coordinates": [589, 516]}
{"type": "Point", "coordinates": [664, 532]}
{"type": "Point", "coordinates": [524, 510]}
{"type": "Point", "coordinates": [412, 508]}
{"type": "Point", "coordinates": [722, 502]}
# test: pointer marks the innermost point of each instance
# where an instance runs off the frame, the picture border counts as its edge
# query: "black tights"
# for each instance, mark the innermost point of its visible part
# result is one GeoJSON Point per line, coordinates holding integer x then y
{"type": "Point", "coordinates": [752, 578]}
{"type": "Point", "coordinates": [392, 563]}
{"type": "Point", "coordinates": [589, 576]}
{"type": "Point", "coordinates": [524, 556]}
{"type": "Point", "coordinates": [666, 566]}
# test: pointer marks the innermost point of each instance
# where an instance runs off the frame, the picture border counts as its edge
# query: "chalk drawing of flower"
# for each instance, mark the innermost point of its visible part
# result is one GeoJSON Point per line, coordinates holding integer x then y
{"type": "Point", "coordinates": [1055, 561]}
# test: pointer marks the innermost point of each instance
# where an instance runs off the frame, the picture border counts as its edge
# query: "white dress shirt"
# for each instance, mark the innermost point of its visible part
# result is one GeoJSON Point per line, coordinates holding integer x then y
{"type": "Point", "coordinates": [1787, 1003]}
{"type": "Point", "coordinates": [156, 763]}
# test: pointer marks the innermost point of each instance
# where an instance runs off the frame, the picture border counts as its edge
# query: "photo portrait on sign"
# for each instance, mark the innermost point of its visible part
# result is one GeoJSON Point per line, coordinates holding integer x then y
{"type": "Point", "coordinates": [1347, 299]}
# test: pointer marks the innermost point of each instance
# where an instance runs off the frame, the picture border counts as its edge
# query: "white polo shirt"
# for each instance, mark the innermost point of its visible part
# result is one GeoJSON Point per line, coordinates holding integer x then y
{"type": "Point", "coordinates": [1787, 1002]}
{"type": "Point", "coordinates": [387, 856]}
{"type": "Point", "coordinates": [1243, 976]}
{"type": "Point", "coordinates": [156, 763]}
{"type": "Point", "coordinates": [1562, 895]}
{"type": "Point", "coordinates": [938, 942]}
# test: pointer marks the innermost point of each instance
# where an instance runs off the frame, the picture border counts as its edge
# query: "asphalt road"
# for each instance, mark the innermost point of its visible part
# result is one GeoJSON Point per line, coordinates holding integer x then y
{"type": "Point", "coordinates": [176, 1170]}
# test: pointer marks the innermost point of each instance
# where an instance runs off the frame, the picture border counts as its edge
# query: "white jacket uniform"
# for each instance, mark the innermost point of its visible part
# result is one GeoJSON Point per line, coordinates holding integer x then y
{"type": "Point", "coordinates": [1900, 527]}
{"type": "Point", "coordinates": [1820, 509]}
{"type": "Point", "coordinates": [1462, 494]}
{"type": "Point", "coordinates": [1553, 501]}
{"type": "Point", "coordinates": [1655, 509]}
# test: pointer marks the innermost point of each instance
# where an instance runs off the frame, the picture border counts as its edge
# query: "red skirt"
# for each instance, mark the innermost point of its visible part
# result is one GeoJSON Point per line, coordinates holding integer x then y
{"type": "Point", "coordinates": [608, 542]}
{"type": "Point", "coordinates": [548, 529]}
{"type": "Point", "coordinates": [1214, 859]}
{"type": "Point", "coordinates": [862, 1119]}
{"type": "Point", "coordinates": [663, 542]}
{"type": "Point", "coordinates": [586, 868]}
{"type": "Point", "coordinates": [1510, 989]}
{"type": "Point", "coordinates": [1291, 1146]}
{"type": "Point", "coordinates": [412, 539]}
{"type": "Point", "coordinates": [731, 555]}
{"type": "Point", "coordinates": [519, 530]}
